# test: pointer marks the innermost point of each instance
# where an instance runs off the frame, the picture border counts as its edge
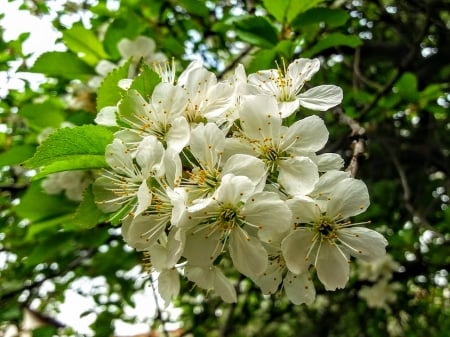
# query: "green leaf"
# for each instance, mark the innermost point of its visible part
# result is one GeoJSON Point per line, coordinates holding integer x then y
{"type": "Point", "coordinates": [195, 7]}
{"type": "Point", "coordinates": [287, 10]}
{"type": "Point", "coordinates": [44, 331]}
{"type": "Point", "coordinates": [81, 147]}
{"type": "Point", "coordinates": [406, 87]}
{"type": "Point", "coordinates": [16, 155]}
{"type": "Point", "coordinates": [128, 26]}
{"type": "Point", "coordinates": [257, 31]}
{"type": "Point", "coordinates": [43, 115]}
{"type": "Point", "coordinates": [277, 8]}
{"type": "Point", "coordinates": [62, 64]}
{"type": "Point", "coordinates": [333, 40]}
{"type": "Point", "coordinates": [262, 59]}
{"type": "Point", "coordinates": [85, 44]}
{"type": "Point", "coordinates": [109, 92]}
{"type": "Point", "coordinates": [88, 215]}
{"type": "Point", "coordinates": [297, 7]}
{"type": "Point", "coordinates": [37, 206]}
{"type": "Point", "coordinates": [333, 17]}
{"type": "Point", "coordinates": [51, 224]}
{"type": "Point", "coordinates": [146, 81]}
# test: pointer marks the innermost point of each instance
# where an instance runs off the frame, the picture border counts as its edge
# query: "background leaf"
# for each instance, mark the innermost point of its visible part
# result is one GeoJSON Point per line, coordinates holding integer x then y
{"type": "Point", "coordinates": [81, 147]}
{"type": "Point", "coordinates": [85, 44]}
{"type": "Point", "coordinates": [62, 64]}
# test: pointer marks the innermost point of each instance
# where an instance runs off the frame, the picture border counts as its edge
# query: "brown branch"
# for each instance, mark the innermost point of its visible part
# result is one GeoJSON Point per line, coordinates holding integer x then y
{"type": "Point", "coordinates": [75, 263]}
{"type": "Point", "coordinates": [407, 195]}
{"type": "Point", "coordinates": [358, 134]}
{"type": "Point", "coordinates": [235, 62]}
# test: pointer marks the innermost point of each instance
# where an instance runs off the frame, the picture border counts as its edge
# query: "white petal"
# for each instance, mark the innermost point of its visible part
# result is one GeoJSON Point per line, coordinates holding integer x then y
{"type": "Point", "coordinates": [158, 255]}
{"type": "Point", "coordinates": [299, 288]}
{"type": "Point", "coordinates": [125, 83]}
{"type": "Point", "coordinates": [178, 135]}
{"type": "Point", "coordinates": [308, 135]}
{"type": "Point", "coordinates": [220, 97]}
{"type": "Point", "coordinates": [168, 285]}
{"type": "Point", "coordinates": [260, 117]}
{"type": "Point", "coordinates": [203, 277]}
{"type": "Point", "coordinates": [302, 70]}
{"type": "Point", "coordinates": [295, 248]}
{"type": "Point", "coordinates": [366, 244]}
{"type": "Point", "coordinates": [269, 213]}
{"type": "Point", "coordinates": [248, 254]}
{"type": "Point", "coordinates": [207, 143]}
{"type": "Point", "coordinates": [329, 161]}
{"type": "Point", "coordinates": [249, 166]}
{"type": "Point", "coordinates": [349, 198]}
{"type": "Point", "coordinates": [103, 193]}
{"type": "Point", "coordinates": [298, 175]}
{"type": "Point", "coordinates": [118, 157]}
{"type": "Point", "coordinates": [168, 102]}
{"type": "Point", "coordinates": [304, 210]}
{"type": "Point", "coordinates": [327, 182]}
{"type": "Point", "coordinates": [321, 98]}
{"type": "Point", "coordinates": [202, 248]}
{"type": "Point", "coordinates": [223, 287]}
{"type": "Point", "coordinates": [332, 267]}
{"type": "Point", "coordinates": [144, 198]}
{"type": "Point", "coordinates": [149, 154]}
{"type": "Point", "coordinates": [107, 116]}
{"type": "Point", "coordinates": [288, 108]}
{"type": "Point", "coordinates": [172, 167]}
{"type": "Point", "coordinates": [270, 280]}
{"type": "Point", "coordinates": [234, 189]}
{"type": "Point", "coordinates": [144, 231]}
{"type": "Point", "coordinates": [133, 109]}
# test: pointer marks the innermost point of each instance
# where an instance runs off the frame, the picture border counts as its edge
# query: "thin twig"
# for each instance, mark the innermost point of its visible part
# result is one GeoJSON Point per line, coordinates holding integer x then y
{"type": "Point", "coordinates": [407, 195]}
{"type": "Point", "coordinates": [235, 61]}
{"type": "Point", "coordinates": [358, 134]}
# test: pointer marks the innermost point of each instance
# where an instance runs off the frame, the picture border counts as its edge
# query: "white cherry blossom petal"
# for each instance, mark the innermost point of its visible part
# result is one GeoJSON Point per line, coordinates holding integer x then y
{"type": "Point", "coordinates": [349, 198]}
{"type": "Point", "coordinates": [298, 175]}
{"type": "Point", "coordinates": [363, 243]}
{"type": "Point", "coordinates": [296, 247]}
{"type": "Point", "coordinates": [308, 135]}
{"type": "Point", "coordinates": [332, 266]}
{"type": "Point", "coordinates": [248, 254]}
{"type": "Point", "coordinates": [299, 288]}
{"type": "Point", "coordinates": [321, 98]}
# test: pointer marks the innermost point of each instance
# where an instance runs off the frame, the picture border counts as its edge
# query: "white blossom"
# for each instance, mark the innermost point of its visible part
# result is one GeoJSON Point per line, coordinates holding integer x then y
{"type": "Point", "coordinates": [326, 239]}
{"type": "Point", "coordinates": [286, 85]}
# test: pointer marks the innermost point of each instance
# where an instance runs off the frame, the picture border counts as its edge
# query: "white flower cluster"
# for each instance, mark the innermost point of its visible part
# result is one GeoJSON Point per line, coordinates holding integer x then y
{"type": "Point", "coordinates": [216, 174]}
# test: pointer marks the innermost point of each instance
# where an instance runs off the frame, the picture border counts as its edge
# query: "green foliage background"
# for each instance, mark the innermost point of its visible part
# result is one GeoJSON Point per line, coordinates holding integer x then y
{"type": "Point", "coordinates": [389, 56]}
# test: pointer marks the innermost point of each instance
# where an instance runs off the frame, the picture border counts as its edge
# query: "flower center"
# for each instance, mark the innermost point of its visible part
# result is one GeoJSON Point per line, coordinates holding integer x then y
{"type": "Point", "coordinates": [270, 156]}
{"type": "Point", "coordinates": [326, 228]}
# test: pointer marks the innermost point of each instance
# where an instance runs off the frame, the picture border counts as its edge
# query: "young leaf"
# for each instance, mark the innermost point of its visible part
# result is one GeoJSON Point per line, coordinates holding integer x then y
{"type": "Point", "coordinates": [88, 215]}
{"type": "Point", "coordinates": [37, 206]}
{"type": "Point", "coordinates": [406, 87]}
{"type": "Point", "coordinates": [62, 64]}
{"type": "Point", "coordinates": [49, 113]}
{"type": "Point", "coordinates": [333, 17]}
{"type": "Point", "coordinates": [81, 147]}
{"type": "Point", "coordinates": [333, 40]}
{"type": "Point", "coordinates": [257, 31]}
{"type": "Point", "coordinates": [277, 8]}
{"type": "Point", "coordinates": [109, 92]}
{"type": "Point", "coordinates": [297, 7]}
{"type": "Point", "coordinates": [146, 81]}
{"type": "Point", "coordinates": [84, 43]}
{"type": "Point", "coordinates": [16, 155]}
